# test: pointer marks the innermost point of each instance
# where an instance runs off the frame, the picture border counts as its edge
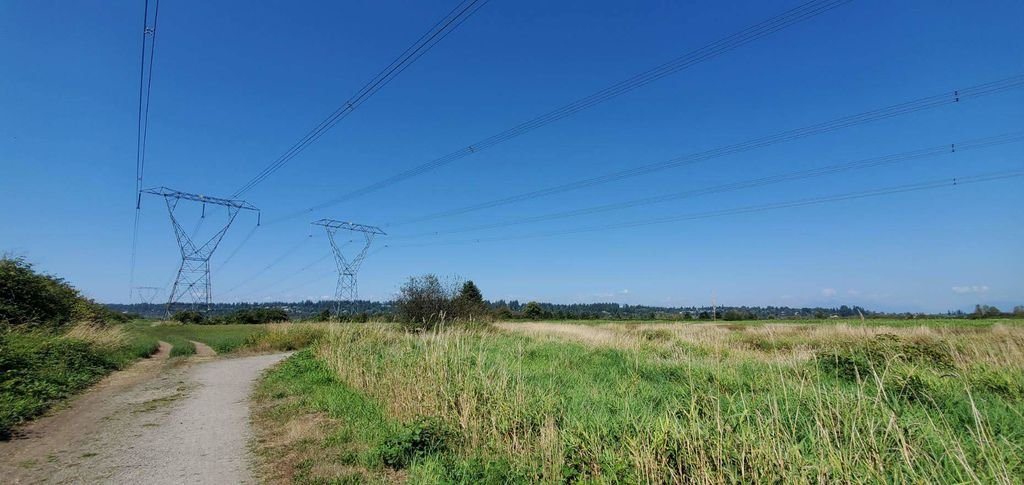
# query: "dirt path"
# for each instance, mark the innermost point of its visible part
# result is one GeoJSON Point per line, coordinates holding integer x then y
{"type": "Point", "coordinates": [203, 350]}
{"type": "Point", "coordinates": [161, 421]}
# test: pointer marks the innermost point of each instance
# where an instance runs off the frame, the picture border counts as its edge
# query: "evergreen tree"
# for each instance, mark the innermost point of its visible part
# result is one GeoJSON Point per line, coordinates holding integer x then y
{"type": "Point", "coordinates": [469, 303]}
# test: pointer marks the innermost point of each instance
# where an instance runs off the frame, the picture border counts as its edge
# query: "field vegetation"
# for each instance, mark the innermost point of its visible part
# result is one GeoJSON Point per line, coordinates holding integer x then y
{"type": "Point", "coordinates": [537, 402]}
{"type": "Point", "coordinates": [53, 342]}
{"type": "Point", "coordinates": [41, 367]}
{"type": "Point", "coordinates": [231, 337]}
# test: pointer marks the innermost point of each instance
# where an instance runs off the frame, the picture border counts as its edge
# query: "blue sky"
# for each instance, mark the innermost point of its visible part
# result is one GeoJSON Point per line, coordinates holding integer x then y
{"type": "Point", "coordinates": [236, 83]}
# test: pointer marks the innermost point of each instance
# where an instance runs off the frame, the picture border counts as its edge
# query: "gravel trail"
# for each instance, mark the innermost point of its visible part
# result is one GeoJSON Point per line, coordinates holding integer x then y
{"type": "Point", "coordinates": [160, 422]}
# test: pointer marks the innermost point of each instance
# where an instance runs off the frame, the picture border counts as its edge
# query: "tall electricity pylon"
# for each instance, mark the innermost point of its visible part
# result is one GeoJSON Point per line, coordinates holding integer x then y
{"type": "Point", "coordinates": [146, 294]}
{"type": "Point", "coordinates": [193, 279]}
{"type": "Point", "coordinates": [347, 267]}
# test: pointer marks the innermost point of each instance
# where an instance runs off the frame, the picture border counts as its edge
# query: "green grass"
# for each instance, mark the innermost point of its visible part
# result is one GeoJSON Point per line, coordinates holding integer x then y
{"type": "Point", "coordinates": [41, 368]}
{"type": "Point", "coordinates": [672, 403]}
{"type": "Point", "coordinates": [869, 322]}
{"type": "Point", "coordinates": [230, 338]}
{"type": "Point", "coordinates": [356, 419]}
{"type": "Point", "coordinates": [222, 338]}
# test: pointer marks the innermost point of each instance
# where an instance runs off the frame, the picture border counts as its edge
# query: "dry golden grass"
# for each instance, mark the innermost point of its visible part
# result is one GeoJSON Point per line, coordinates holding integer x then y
{"type": "Point", "coordinates": [101, 337]}
{"type": "Point", "coordinates": [1000, 345]}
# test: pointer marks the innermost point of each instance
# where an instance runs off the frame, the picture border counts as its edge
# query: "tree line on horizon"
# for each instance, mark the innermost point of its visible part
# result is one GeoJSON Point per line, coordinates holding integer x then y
{"type": "Point", "coordinates": [445, 299]}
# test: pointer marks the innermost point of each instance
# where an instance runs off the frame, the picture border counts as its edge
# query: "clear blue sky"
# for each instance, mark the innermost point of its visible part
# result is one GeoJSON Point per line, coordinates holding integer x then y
{"type": "Point", "coordinates": [238, 82]}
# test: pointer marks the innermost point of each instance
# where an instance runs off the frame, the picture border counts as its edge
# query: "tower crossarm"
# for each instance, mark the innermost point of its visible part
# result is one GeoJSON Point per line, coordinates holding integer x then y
{"type": "Point", "coordinates": [205, 199]}
{"type": "Point", "coordinates": [335, 225]}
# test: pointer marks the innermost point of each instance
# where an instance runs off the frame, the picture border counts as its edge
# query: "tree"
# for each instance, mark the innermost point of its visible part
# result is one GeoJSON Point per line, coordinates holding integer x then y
{"type": "Point", "coordinates": [469, 303]}
{"type": "Point", "coordinates": [533, 311]}
{"type": "Point", "coordinates": [985, 311]}
{"type": "Point", "coordinates": [1018, 311]}
{"type": "Point", "coordinates": [735, 314]}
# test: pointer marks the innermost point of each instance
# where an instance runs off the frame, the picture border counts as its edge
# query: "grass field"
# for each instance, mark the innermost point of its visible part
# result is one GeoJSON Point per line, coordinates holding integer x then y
{"type": "Point", "coordinates": [931, 402]}
{"type": "Point", "coordinates": [230, 338]}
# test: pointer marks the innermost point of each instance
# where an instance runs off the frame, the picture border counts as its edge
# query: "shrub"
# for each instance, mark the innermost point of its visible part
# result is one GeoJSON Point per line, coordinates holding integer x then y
{"type": "Point", "coordinates": [189, 316]}
{"type": "Point", "coordinates": [859, 360]}
{"type": "Point", "coordinates": [32, 299]}
{"type": "Point", "coordinates": [424, 302]}
{"type": "Point", "coordinates": [534, 311]}
{"type": "Point", "coordinates": [252, 316]}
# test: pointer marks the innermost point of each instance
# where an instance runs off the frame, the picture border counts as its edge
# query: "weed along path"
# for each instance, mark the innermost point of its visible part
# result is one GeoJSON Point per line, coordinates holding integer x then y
{"type": "Point", "coordinates": [160, 421]}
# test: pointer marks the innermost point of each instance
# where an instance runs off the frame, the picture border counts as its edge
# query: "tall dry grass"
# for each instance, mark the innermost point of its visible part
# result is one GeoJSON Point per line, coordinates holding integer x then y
{"type": "Point", "coordinates": [103, 337]}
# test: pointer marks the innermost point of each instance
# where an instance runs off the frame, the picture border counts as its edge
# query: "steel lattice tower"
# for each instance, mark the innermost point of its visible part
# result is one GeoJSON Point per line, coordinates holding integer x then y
{"type": "Point", "coordinates": [146, 294]}
{"type": "Point", "coordinates": [347, 289]}
{"type": "Point", "coordinates": [192, 284]}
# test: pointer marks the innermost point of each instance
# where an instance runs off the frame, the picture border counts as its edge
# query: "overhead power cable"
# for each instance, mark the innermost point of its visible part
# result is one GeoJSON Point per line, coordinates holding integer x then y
{"type": "Point", "coordinates": [310, 281]}
{"type": "Point", "coordinates": [912, 155]}
{"type": "Point", "coordinates": [238, 248]}
{"type": "Point", "coordinates": [786, 19]}
{"type": "Point", "coordinates": [920, 104]}
{"type": "Point", "coordinates": [147, 53]}
{"type": "Point", "coordinates": [438, 32]}
{"type": "Point", "coordinates": [282, 279]}
{"type": "Point", "coordinates": [266, 268]}
{"type": "Point", "coordinates": [934, 184]}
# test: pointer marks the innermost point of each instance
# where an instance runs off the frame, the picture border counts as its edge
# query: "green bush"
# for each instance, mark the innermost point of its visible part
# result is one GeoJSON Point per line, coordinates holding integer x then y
{"type": "Point", "coordinates": [251, 316]}
{"type": "Point", "coordinates": [189, 316]}
{"type": "Point", "coordinates": [32, 299]}
{"type": "Point", "coordinates": [419, 439]}
{"type": "Point", "coordinates": [425, 302]}
{"type": "Point", "coordinates": [534, 311]}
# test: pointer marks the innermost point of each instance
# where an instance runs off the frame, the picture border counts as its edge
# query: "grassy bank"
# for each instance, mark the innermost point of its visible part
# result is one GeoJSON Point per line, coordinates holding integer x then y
{"type": "Point", "coordinates": [652, 403]}
{"type": "Point", "coordinates": [41, 368]}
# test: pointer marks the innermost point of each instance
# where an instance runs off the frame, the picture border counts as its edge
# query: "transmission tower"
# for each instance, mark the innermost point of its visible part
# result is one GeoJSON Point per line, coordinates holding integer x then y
{"type": "Point", "coordinates": [192, 284]}
{"type": "Point", "coordinates": [146, 294]}
{"type": "Point", "coordinates": [347, 267]}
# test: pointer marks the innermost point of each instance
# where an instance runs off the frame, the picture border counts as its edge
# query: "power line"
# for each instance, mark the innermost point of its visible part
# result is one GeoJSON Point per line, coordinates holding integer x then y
{"type": "Point", "coordinates": [310, 281]}
{"type": "Point", "coordinates": [145, 88]}
{"type": "Point", "coordinates": [438, 32]}
{"type": "Point", "coordinates": [908, 107]}
{"type": "Point", "coordinates": [947, 182]}
{"type": "Point", "coordinates": [238, 248]}
{"type": "Point", "coordinates": [278, 281]}
{"type": "Point", "coordinates": [803, 12]}
{"type": "Point", "coordinates": [912, 155]}
{"type": "Point", "coordinates": [273, 263]}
